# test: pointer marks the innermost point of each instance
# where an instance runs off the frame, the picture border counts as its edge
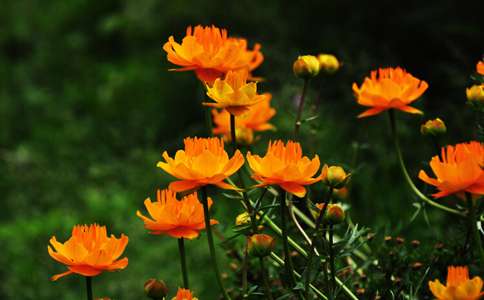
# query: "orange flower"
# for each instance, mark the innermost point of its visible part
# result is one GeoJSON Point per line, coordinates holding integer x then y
{"type": "Point", "coordinates": [459, 286]}
{"type": "Point", "coordinates": [184, 295]}
{"type": "Point", "coordinates": [234, 93]}
{"type": "Point", "coordinates": [480, 68]}
{"type": "Point", "coordinates": [180, 219]}
{"type": "Point", "coordinates": [89, 251]}
{"type": "Point", "coordinates": [260, 113]}
{"type": "Point", "coordinates": [459, 171]}
{"type": "Point", "coordinates": [285, 167]}
{"type": "Point", "coordinates": [203, 162]}
{"type": "Point", "coordinates": [394, 88]}
{"type": "Point", "coordinates": [210, 53]}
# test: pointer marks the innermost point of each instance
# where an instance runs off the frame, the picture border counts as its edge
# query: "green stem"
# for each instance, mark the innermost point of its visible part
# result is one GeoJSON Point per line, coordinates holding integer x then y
{"type": "Point", "coordinates": [287, 252]}
{"type": "Point", "coordinates": [475, 231]}
{"type": "Point", "coordinates": [407, 178]}
{"type": "Point", "coordinates": [244, 273]}
{"type": "Point", "coordinates": [211, 244]}
{"type": "Point", "coordinates": [331, 258]}
{"type": "Point", "coordinates": [232, 132]}
{"type": "Point", "coordinates": [181, 248]}
{"type": "Point", "coordinates": [266, 281]}
{"type": "Point", "coordinates": [89, 287]}
{"type": "Point", "coordinates": [313, 241]}
{"type": "Point", "coordinates": [299, 111]}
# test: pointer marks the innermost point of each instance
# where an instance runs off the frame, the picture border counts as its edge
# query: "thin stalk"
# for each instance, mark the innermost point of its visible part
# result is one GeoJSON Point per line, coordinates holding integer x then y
{"type": "Point", "coordinates": [232, 132]}
{"type": "Point", "coordinates": [244, 273]}
{"type": "Point", "coordinates": [183, 259]}
{"type": "Point", "coordinates": [313, 241]}
{"type": "Point", "coordinates": [473, 224]}
{"type": "Point", "coordinates": [89, 287]}
{"type": "Point", "coordinates": [287, 252]}
{"type": "Point", "coordinates": [299, 111]}
{"type": "Point", "coordinates": [331, 258]}
{"type": "Point", "coordinates": [266, 281]}
{"type": "Point", "coordinates": [211, 244]}
{"type": "Point", "coordinates": [407, 178]}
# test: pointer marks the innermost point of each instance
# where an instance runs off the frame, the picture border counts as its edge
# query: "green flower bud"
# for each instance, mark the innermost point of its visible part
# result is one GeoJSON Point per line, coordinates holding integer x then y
{"type": "Point", "coordinates": [155, 289]}
{"type": "Point", "coordinates": [435, 128]}
{"type": "Point", "coordinates": [335, 177]}
{"type": "Point", "coordinates": [260, 245]}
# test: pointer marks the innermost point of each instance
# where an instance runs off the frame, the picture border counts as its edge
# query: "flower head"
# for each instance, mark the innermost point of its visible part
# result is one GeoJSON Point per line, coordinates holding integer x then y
{"type": "Point", "coordinates": [184, 295]}
{"type": "Point", "coordinates": [459, 286]}
{"type": "Point", "coordinates": [394, 88]}
{"type": "Point", "coordinates": [210, 53]}
{"type": "Point", "coordinates": [260, 245]}
{"type": "Point", "coordinates": [260, 113]}
{"type": "Point", "coordinates": [480, 68]}
{"type": "Point", "coordinates": [476, 92]}
{"type": "Point", "coordinates": [203, 162]}
{"type": "Point", "coordinates": [459, 171]}
{"type": "Point", "coordinates": [155, 289]}
{"type": "Point", "coordinates": [329, 64]}
{"type": "Point", "coordinates": [285, 166]}
{"type": "Point", "coordinates": [306, 66]}
{"type": "Point", "coordinates": [89, 251]}
{"type": "Point", "coordinates": [234, 93]}
{"type": "Point", "coordinates": [433, 127]}
{"type": "Point", "coordinates": [180, 219]}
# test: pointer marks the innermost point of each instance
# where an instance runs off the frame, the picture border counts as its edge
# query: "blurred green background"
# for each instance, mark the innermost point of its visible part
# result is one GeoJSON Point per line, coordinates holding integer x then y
{"type": "Point", "coordinates": [87, 107]}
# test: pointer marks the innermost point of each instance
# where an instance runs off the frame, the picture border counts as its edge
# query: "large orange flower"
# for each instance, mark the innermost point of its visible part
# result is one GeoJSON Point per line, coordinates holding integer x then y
{"type": "Point", "coordinates": [459, 171]}
{"type": "Point", "coordinates": [180, 219]}
{"type": "Point", "coordinates": [260, 113]}
{"type": "Point", "coordinates": [203, 162]}
{"type": "Point", "coordinates": [459, 286]}
{"type": "Point", "coordinates": [184, 294]}
{"type": "Point", "coordinates": [480, 68]}
{"type": "Point", "coordinates": [89, 251]}
{"type": "Point", "coordinates": [394, 88]}
{"type": "Point", "coordinates": [234, 93]}
{"type": "Point", "coordinates": [285, 167]}
{"type": "Point", "coordinates": [210, 53]}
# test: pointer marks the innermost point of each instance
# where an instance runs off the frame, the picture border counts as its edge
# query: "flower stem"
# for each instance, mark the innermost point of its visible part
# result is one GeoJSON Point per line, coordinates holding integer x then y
{"type": "Point", "coordinates": [266, 281]}
{"type": "Point", "coordinates": [181, 248]}
{"type": "Point", "coordinates": [407, 178]}
{"type": "Point", "coordinates": [211, 245]}
{"type": "Point", "coordinates": [299, 111]}
{"type": "Point", "coordinates": [331, 258]}
{"type": "Point", "coordinates": [315, 235]}
{"type": "Point", "coordinates": [232, 132]}
{"type": "Point", "coordinates": [244, 273]}
{"type": "Point", "coordinates": [473, 224]}
{"type": "Point", "coordinates": [89, 287]}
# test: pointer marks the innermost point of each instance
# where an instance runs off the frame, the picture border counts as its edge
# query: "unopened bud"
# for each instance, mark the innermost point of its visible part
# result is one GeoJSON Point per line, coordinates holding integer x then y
{"type": "Point", "coordinates": [399, 240]}
{"type": "Point", "coordinates": [329, 63]}
{"type": "Point", "coordinates": [334, 214]}
{"type": "Point", "coordinates": [260, 245]}
{"type": "Point", "coordinates": [306, 66]}
{"type": "Point", "coordinates": [433, 127]}
{"type": "Point", "coordinates": [417, 265]}
{"type": "Point", "coordinates": [476, 92]}
{"type": "Point", "coordinates": [335, 176]}
{"type": "Point", "coordinates": [155, 289]}
{"type": "Point", "coordinates": [415, 243]}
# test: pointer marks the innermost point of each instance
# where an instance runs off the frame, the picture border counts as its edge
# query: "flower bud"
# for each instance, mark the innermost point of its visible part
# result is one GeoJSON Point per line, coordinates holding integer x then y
{"type": "Point", "coordinates": [435, 128]}
{"type": "Point", "coordinates": [334, 214]}
{"type": "Point", "coordinates": [475, 92]}
{"type": "Point", "coordinates": [155, 289]}
{"type": "Point", "coordinates": [340, 194]}
{"type": "Point", "coordinates": [328, 63]}
{"type": "Point", "coordinates": [102, 299]}
{"type": "Point", "coordinates": [242, 220]}
{"type": "Point", "coordinates": [335, 177]}
{"type": "Point", "coordinates": [260, 245]}
{"type": "Point", "coordinates": [306, 66]}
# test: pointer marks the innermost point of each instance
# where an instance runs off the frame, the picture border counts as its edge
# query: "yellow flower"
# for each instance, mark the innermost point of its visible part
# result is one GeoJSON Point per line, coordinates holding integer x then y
{"type": "Point", "coordinates": [394, 88]}
{"type": "Point", "coordinates": [89, 251]}
{"type": "Point", "coordinates": [260, 113]}
{"type": "Point", "coordinates": [180, 219]}
{"type": "Point", "coordinates": [285, 167]}
{"type": "Point", "coordinates": [203, 162]}
{"type": "Point", "coordinates": [242, 220]}
{"type": "Point", "coordinates": [328, 63]}
{"type": "Point", "coordinates": [459, 286]}
{"type": "Point", "coordinates": [184, 295]}
{"type": "Point", "coordinates": [306, 66]}
{"type": "Point", "coordinates": [234, 93]}
{"type": "Point", "coordinates": [475, 92]}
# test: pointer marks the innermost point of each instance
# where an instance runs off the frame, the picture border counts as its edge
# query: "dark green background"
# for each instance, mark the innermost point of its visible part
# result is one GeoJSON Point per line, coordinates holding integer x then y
{"type": "Point", "coordinates": [87, 107]}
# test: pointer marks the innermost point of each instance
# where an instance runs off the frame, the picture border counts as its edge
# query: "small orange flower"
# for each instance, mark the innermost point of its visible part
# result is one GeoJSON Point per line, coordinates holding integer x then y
{"type": "Point", "coordinates": [394, 88]}
{"type": "Point", "coordinates": [459, 171]}
{"type": "Point", "coordinates": [180, 219]}
{"type": "Point", "coordinates": [234, 93]}
{"type": "Point", "coordinates": [480, 68]}
{"type": "Point", "coordinates": [285, 167]}
{"type": "Point", "coordinates": [203, 162]}
{"type": "Point", "coordinates": [89, 251]}
{"type": "Point", "coordinates": [210, 53]}
{"type": "Point", "coordinates": [260, 113]}
{"type": "Point", "coordinates": [184, 295]}
{"type": "Point", "coordinates": [459, 286]}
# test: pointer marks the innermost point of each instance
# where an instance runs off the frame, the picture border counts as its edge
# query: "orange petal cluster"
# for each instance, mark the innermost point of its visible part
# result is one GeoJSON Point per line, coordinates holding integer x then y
{"type": "Point", "coordinates": [480, 68]}
{"type": "Point", "coordinates": [204, 161]}
{"type": "Point", "coordinates": [459, 171]}
{"type": "Point", "coordinates": [89, 251]}
{"type": "Point", "coordinates": [180, 219]}
{"type": "Point", "coordinates": [184, 294]}
{"type": "Point", "coordinates": [394, 88]}
{"type": "Point", "coordinates": [285, 166]}
{"type": "Point", "coordinates": [459, 286]}
{"type": "Point", "coordinates": [234, 93]}
{"type": "Point", "coordinates": [210, 53]}
{"type": "Point", "coordinates": [260, 113]}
